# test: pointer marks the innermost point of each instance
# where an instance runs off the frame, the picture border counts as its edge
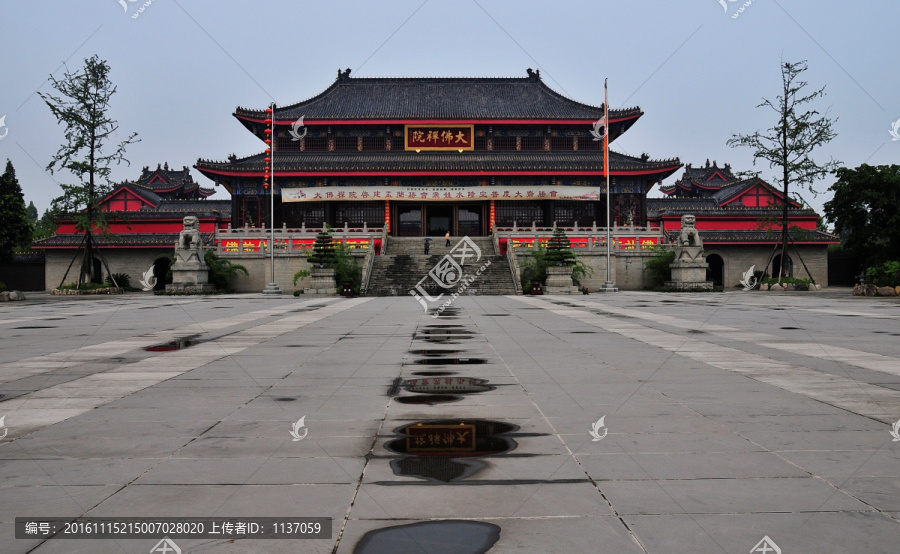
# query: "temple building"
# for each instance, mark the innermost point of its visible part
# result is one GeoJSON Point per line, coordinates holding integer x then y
{"type": "Point", "coordinates": [387, 161]}
{"type": "Point", "coordinates": [739, 220]}
{"type": "Point", "coordinates": [424, 156]}
{"type": "Point", "coordinates": [145, 217]}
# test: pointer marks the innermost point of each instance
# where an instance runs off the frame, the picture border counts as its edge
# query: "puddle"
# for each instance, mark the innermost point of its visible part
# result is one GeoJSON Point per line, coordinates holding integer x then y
{"type": "Point", "coordinates": [177, 344]}
{"type": "Point", "coordinates": [454, 438]}
{"type": "Point", "coordinates": [36, 327]}
{"type": "Point", "coordinates": [459, 333]}
{"type": "Point", "coordinates": [430, 399]}
{"type": "Point", "coordinates": [791, 328]}
{"type": "Point", "coordinates": [284, 399]}
{"type": "Point", "coordinates": [434, 537]}
{"type": "Point", "coordinates": [442, 385]}
{"type": "Point", "coordinates": [699, 332]}
{"type": "Point", "coordinates": [584, 332]}
{"type": "Point", "coordinates": [434, 373]}
{"type": "Point", "coordinates": [443, 450]}
{"type": "Point", "coordinates": [449, 361]}
{"type": "Point", "coordinates": [496, 315]}
{"type": "Point", "coordinates": [429, 352]}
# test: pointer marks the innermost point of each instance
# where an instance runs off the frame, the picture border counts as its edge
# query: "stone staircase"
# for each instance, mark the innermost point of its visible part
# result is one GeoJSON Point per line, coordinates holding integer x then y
{"type": "Point", "coordinates": [403, 264]}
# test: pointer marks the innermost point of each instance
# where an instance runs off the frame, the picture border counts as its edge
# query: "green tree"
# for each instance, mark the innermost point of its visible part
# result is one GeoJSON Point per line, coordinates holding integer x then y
{"type": "Point", "coordinates": [865, 210]}
{"type": "Point", "coordinates": [323, 250]}
{"type": "Point", "coordinates": [788, 145]}
{"type": "Point", "coordinates": [82, 105]}
{"type": "Point", "coordinates": [46, 225]}
{"type": "Point", "coordinates": [32, 213]}
{"type": "Point", "coordinates": [559, 249]}
{"type": "Point", "coordinates": [15, 231]}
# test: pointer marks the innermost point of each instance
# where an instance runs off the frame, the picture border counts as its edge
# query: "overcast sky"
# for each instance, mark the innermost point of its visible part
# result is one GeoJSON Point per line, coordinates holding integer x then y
{"type": "Point", "coordinates": [696, 68]}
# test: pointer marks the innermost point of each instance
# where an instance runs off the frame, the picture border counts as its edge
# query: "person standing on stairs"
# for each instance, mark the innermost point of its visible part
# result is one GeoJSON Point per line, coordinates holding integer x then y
{"type": "Point", "coordinates": [427, 244]}
{"type": "Point", "coordinates": [447, 236]}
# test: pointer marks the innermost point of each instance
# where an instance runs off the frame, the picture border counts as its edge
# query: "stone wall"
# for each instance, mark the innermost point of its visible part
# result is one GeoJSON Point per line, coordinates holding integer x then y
{"type": "Point", "coordinates": [260, 271]}
{"type": "Point", "coordinates": [739, 258]}
{"type": "Point", "coordinates": [133, 261]}
{"type": "Point", "coordinates": [629, 271]}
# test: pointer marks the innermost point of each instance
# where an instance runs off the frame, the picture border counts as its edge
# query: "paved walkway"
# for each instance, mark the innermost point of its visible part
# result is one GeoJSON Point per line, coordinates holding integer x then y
{"type": "Point", "coordinates": [726, 418]}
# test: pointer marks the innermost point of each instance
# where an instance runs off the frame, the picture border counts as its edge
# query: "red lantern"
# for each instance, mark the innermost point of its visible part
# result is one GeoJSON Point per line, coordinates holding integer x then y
{"type": "Point", "coordinates": [269, 142]}
{"type": "Point", "coordinates": [268, 131]}
{"type": "Point", "coordinates": [268, 160]}
{"type": "Point", "coordinates": [268, 110]}
{"type": "Point", "coordinates": [268, 151]}
{"type": "Point", "coordinates": [268, 121]}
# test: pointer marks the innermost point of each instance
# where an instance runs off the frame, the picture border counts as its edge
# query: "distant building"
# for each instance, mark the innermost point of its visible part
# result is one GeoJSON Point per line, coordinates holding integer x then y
{"type": "Point", "coordinates": [147, 217]}
{"type": "Point", "coordinates": [739, 220]}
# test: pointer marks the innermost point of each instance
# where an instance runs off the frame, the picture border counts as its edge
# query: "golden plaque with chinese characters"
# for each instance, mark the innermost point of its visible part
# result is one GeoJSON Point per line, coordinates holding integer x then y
{"type": "Point", "coordinates": [439, 137]}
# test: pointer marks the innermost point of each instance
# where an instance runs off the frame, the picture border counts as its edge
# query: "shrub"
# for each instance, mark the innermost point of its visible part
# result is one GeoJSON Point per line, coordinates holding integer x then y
{"type": "Point", "coordinates": [534, 267]}
{"type": "Point", "coordinates": [658, 270]}
{"type": "Point", "coordinates": [122, 279]}
{"type": "Point", "coordinates": [2, 286]}
{"type": "Point", "coordinates": [302, 274]}
{"type": "Point", "coordinates": [222, 272]}
{"type": "Point", "coordinates": [884, 275]}
{"type": "Point", "coordinates": [346, 270]}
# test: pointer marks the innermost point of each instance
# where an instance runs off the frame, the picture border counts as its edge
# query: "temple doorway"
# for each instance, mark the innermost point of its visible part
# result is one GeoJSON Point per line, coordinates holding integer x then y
{"type": "Point", "coordinates": [438, 219]}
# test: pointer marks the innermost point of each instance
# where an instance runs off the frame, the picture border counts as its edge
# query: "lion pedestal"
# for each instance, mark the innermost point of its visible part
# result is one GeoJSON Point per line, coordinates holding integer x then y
{"type": "Point", "coordinates": [689, 267]}
{"type": "Point", "coordinates": [189, 272]}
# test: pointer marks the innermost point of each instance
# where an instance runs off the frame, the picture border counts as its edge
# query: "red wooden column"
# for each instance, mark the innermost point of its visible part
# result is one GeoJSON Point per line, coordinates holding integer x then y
{"type": "Point", "coordinates": [493, 214]}
{"type": "Point", "coordinates": [387, 216]}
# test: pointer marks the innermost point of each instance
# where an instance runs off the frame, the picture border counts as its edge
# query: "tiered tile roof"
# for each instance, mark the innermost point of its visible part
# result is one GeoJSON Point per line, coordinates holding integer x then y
{"type": "Point", "coordinates": [397, 98]}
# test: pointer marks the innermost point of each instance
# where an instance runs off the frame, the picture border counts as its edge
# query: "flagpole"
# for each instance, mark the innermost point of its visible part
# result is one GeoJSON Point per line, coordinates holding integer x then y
{"type": "Point", "coordinates": [608, 286]}
{"type": "Point", "coordinates": [272, 288]}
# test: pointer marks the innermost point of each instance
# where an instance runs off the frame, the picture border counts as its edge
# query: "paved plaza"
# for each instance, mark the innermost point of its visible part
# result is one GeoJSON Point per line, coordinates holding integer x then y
{"type": "Point", "coordinates": [630, 422]}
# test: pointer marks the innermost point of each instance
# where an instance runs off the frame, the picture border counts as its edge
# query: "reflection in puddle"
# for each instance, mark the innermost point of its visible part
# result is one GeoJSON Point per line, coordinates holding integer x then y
{"type": "Point", "coordinates": [430, 399]}
{"type": "Point", "coordinates": [431, 448]}
{"type": "Point", "coordinates": [434, 537]}
{"type": "Point", "coordinates": [177, 344]}
{"type": "Point", "coordinates": [434, 373]}
{"type": "Point", "coordinates": [434, 352]}
{"type": "Point", "coordinates": [449, 361]}
{"type": "Point", "coordinates": [446, 385]}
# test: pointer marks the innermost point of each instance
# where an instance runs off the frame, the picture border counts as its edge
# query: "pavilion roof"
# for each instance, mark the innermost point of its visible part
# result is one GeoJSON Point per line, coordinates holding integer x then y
{"type": "Point", "coordinates": [439, 98]}
{"type": "Point", "coordinates": [709, 206]}
{"type": "Point", "coordinates": [133, 240]}
{"type": "Point", "coordinates": [400, 162]}
{"type": "Point", "coordinates": [759, 237]}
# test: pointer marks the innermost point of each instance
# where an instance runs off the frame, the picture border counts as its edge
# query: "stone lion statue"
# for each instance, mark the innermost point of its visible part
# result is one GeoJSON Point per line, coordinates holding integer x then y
{"type": "Point", "coordinates": [189, 238]}
{"type": "Point", "coordinates": [689, 236]}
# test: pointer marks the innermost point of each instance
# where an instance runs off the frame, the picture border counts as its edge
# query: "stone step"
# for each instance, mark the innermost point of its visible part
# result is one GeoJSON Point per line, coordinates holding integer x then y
{"type": "Point", "coordinates": [398, 274]}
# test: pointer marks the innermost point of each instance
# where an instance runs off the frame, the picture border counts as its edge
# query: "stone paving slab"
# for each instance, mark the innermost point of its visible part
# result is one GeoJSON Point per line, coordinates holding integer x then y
{"type": "Point", "coordinates": [711, 439]}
